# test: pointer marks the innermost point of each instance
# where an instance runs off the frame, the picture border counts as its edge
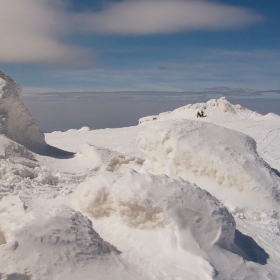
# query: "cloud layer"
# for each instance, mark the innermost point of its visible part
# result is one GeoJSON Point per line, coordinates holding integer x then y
{"type": "Point", "coordinates": [36, 31]}
{"type": "Point", "coordinates": [143, 17]}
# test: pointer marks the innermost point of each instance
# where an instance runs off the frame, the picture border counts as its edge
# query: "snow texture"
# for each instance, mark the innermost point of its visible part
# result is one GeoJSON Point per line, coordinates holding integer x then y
{"type": "Point", "coordinates": [54, 237]}
{"type": "Point", "coordinates": [15, 120]}
{"type": "Point", "coordinates": [149, 201]}
{"type": "Point", "coordinates": [119, 211]}
{"type": "Point", "coordinates": [229, 157]}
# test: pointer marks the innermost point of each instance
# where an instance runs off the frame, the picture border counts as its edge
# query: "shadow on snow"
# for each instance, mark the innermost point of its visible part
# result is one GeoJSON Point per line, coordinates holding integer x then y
{"type": "Point", "coordinates": [247, 248]}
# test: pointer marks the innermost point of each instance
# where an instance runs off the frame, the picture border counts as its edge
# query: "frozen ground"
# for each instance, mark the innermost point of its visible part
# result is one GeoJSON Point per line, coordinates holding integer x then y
{"type": "Point", "coordinates": [175, 197]}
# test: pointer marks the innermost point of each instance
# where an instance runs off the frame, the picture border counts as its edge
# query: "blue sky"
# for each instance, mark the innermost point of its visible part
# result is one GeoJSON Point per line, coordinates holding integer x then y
{"type": "Point", "coordinates": [141, 45]}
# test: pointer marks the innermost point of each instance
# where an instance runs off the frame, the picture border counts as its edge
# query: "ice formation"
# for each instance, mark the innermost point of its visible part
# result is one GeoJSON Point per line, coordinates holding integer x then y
{"type": "Point", "coordinates": [17, 123]}
{"type": "Point", "coordinates": [15, 120]}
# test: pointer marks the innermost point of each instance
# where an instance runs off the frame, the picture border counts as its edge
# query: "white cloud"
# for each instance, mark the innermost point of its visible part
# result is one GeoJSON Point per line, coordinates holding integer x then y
{"type": "Point", "coordinates": [32, 31]}
{"type": "Point", "coordinates": [141, 17]}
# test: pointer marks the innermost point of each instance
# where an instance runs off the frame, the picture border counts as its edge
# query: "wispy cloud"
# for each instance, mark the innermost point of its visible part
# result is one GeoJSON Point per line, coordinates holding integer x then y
{"type": "Point", "coordinates": [166, 16]}
{"type": "Point", "coordinates": [36, 31]}
{"type": "Point", "coordinates": [32, 32]}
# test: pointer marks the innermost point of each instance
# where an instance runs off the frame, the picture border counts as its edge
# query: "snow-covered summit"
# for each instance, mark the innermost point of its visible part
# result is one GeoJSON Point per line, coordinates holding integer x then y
{"type": "Point", "coordinates": [215, 111]}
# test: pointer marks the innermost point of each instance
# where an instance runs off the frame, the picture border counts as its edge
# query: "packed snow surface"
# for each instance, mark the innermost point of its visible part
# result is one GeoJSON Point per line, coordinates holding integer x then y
{"type": "Point", "coordinates": [176, 197]}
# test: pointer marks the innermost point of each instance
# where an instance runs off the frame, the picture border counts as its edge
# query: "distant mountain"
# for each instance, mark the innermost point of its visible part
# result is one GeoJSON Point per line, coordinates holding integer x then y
{"type": "Point", "coordinates": [215, 111]}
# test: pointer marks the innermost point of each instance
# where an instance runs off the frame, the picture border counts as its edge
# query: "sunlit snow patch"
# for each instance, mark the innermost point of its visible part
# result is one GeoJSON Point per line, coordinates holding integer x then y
{"type": "Point", "coordinates": [176, 147]}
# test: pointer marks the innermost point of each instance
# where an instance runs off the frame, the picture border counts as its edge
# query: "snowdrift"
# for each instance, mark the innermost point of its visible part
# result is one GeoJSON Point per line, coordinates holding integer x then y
{"type": "Point", "coordinates": [139, 204]}
{"type": "Point", "coordinates": [176, 147]}
{"type": "Point", "coordinates": [149, 201]}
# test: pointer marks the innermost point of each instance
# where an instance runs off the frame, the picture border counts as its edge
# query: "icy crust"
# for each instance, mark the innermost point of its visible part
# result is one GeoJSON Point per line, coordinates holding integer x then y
{"type": "Point", "coordinates": [176, 147]}
{"type": "Point", "coordinates": [15, 120]}
{"type": "Point", "coordinates": [145, 201]}
{"type": "Point", "coordinates": [215, 110]}
{"type": "Point", "coordinates": [54, 237]}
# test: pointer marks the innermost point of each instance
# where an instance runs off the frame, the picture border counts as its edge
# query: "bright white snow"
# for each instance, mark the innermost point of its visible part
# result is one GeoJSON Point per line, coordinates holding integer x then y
{"type": "Point", "coordinates": [175, 197]}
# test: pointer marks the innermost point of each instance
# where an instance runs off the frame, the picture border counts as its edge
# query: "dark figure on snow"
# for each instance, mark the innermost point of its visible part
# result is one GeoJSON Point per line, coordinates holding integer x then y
{"type": "Point", "coordinates": [200, 114]}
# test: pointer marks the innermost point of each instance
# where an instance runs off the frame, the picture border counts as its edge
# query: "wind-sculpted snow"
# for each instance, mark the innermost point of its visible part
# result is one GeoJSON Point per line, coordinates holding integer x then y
{"type": "Point", "coordinates": [15, 120]}
{"type": "Point", "coordinates": [176, 147]}
{"type": "Point", "coordinates": [150, 202]}
{"type": "Point", "coordinates": [43, 240]}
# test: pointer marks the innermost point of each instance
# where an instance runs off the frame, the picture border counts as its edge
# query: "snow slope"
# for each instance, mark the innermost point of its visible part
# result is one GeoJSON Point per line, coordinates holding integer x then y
{"type": "Point", "coordinates": [174, 198]}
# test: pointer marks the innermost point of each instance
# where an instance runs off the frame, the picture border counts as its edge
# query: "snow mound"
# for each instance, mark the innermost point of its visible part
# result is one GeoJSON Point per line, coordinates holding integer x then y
{"type": "Point", "coordinates": [176, 147]}
{"type": "Point", "coordinates": [146, 201]}
{"type": "Point", "coordinates": [53, 235]}
{"type": "Point", "coordinates": [15, 120]}
{"type": "Point", "coordinates": [81, 130]}
{"type": "Point", "coordinates": [215, 110]}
